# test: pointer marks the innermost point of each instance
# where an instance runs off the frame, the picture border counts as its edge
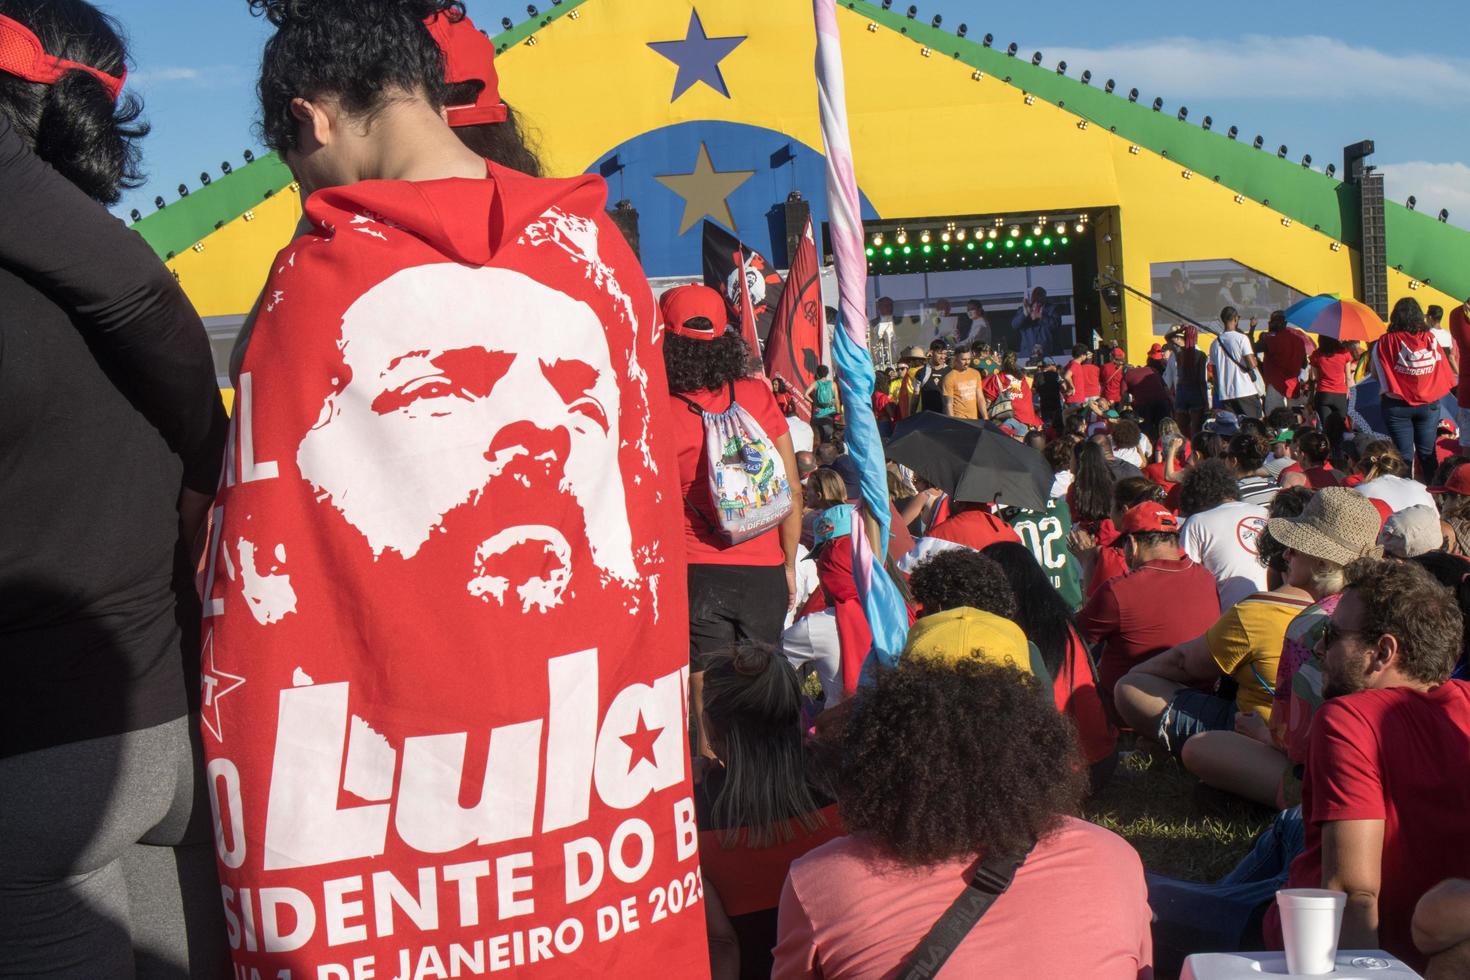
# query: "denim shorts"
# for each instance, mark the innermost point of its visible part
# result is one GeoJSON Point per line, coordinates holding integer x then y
{"type": "Point", "coordinates": [1192, 712]}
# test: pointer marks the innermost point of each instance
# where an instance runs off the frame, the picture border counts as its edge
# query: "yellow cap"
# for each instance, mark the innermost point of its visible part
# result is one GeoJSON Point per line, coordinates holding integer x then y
{"type": "Point", "coordinates": [964, 632]}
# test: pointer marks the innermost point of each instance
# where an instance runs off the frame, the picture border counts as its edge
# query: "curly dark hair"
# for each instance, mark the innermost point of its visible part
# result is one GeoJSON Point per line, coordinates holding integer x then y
{"type": "Point", "coordinates": [1404, 600]}
{"type": "Point", "coordinates": [1407, 316]}
{"type": "Point", "coordinates": [1208, 445]}
{"type": "Point", "coordinates": [960, 577]}
{"type": "Point", "coordinates": [1127, 434]}
{"type": "Point", "coordinates": [697, 365]}
{"type": "Point", "coordinates": [361, 51]}
{"type": "Point", "coordinates": [944, 760]}
{"type": "Point", "coordinates": [1206, 485]}
{"type": "Point", "coordinates": [1059, 453]}
{"type": "Point", "coordinates": [73, 124]}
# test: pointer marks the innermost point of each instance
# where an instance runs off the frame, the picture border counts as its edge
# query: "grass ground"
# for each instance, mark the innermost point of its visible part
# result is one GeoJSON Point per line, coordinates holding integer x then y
{"type": "Point", "coordinates": [1178, 826]}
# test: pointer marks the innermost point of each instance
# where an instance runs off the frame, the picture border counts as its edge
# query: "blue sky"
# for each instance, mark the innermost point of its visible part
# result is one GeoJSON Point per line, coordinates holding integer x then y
{"type": "Point", "coordinates": [1315, 76]}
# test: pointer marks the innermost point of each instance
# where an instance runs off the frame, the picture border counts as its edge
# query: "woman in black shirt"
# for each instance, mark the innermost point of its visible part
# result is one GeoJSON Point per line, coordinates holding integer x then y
{"type": "Point", "coordinates": [111, 436]}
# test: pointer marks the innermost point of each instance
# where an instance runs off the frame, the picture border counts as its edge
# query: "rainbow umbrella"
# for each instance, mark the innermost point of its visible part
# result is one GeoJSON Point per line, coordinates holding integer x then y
{"type": "Point", "coordinates": [1347, 320]}
{"type": "Point", "coordinates": [1301, 314]}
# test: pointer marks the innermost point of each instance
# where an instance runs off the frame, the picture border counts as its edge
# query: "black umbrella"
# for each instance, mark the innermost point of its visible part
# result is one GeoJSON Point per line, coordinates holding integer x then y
{"type": "Point", "coordinates": [972, 460]}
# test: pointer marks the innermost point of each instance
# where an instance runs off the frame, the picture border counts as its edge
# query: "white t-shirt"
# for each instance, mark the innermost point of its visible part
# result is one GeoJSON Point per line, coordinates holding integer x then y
{"type": "Point", "coordinates": [1230, 380]}
{"type": "Point", "coordinates": [1398, 492]}
{"type": "Point", "coordinates": [802, 436]}
{"type": "Point", "coordinates": [1224, 540]}
{"type": "Point", "coordinates": [1443, 336]}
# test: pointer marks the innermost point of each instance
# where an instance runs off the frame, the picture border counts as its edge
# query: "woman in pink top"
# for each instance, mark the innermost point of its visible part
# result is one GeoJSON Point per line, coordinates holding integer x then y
{"type": "Point", "coordinates": [941, 764]}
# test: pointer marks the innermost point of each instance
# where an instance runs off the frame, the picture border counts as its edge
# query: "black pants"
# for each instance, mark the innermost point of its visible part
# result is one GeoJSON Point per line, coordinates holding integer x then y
{"type": "Point", "coordinates": [1332, 413]}
{"type": "Point", "coordinates": [1247, 407]}
{"type": "Point", "coordinates": [729, 604]}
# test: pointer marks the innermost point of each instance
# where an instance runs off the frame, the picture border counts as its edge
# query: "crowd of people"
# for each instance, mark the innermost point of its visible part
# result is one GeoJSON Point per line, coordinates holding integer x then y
{"type": "Point", "coordinates": [1254, 584]}
{"type": "Point", "coordinates": [474, 471]}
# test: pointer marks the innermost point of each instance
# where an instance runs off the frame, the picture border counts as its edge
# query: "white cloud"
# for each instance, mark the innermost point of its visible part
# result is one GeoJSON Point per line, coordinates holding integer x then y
{"type": "Point", "coordinates": [156, 76]}
{"type": "Point", "coordinates": [1299, 69]}
{"type": "Point", "coordinates": [1434, 185]}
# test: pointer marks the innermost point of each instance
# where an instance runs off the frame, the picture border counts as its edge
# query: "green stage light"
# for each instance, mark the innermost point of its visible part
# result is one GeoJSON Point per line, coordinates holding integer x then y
{"type": "Point", "coordinates": [970, 246]}
{"type": "Point", "coordinates": [1065, 239]}
{"type": "Point", "coordinates": [887, 249]}
{"type": "Point", "coordinates": [907, 249]}
{"type": "Point", "coordinates": [989, 245]}
{"type": "Point", "coordinates": [870, 251]}
{"type": "Point", "coordinates": [1030, 243]}
{"type": "Point", "coordinates": [1046, 242]}
{"type": "Point", "coordinates": [1010, 243]}
{"type": "Point", "coordinates": [928, 249]}
{"type": "Point", "coordinates": [946, 246]}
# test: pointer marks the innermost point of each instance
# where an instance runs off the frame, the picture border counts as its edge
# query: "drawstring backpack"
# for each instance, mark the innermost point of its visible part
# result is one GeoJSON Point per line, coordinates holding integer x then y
{"type": "Point", "coordinates": [747, 477]}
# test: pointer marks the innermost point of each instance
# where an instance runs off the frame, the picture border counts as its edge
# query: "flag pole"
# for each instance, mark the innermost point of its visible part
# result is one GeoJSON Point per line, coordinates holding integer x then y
{"type": "Point", "coordinates": [885, 609]}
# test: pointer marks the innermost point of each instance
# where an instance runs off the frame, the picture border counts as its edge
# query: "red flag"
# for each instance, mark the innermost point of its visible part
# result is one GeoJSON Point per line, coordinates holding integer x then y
{"type": "Point", "coordinates": [794, 345]}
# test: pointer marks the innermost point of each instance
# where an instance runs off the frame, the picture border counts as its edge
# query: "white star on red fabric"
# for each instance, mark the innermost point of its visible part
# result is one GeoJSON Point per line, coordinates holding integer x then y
{"type": "Point", "coordinates": [215, 684]}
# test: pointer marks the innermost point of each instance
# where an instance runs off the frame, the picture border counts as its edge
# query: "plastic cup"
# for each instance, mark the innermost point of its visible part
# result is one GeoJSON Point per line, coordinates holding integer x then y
{"type": "Point", "coordinates": [1310, 921]}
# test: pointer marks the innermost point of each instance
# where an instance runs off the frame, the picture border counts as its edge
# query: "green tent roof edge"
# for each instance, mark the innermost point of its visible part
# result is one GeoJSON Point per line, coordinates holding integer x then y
{"type": "Point", "coordinates": [1418, 245]}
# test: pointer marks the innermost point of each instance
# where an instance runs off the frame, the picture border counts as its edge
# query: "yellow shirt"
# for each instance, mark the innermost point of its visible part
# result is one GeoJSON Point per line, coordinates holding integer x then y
{"type": "Point", "coordinates": [1246, 644]}
{"type": "Point", "coordinates": [963, 388]}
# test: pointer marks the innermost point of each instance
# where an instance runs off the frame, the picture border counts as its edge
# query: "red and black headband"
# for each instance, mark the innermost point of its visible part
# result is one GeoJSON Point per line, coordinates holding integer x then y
{"type": "Point", "coordinates": [21, 55]}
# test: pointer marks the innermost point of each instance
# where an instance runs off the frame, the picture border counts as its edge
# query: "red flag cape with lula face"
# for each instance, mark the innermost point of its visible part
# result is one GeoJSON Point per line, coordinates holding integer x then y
{"type": "Point", "coordinates": [446, 636]}
{"type": "Point", "coordinates": [794, 345]}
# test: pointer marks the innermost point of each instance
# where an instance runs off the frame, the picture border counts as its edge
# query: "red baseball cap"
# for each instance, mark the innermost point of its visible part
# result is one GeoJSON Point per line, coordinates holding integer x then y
{"type": "Point", "coordinates": [1118, 353]}
{"type": "Point", "coordinates": [1156, 352]}
{"type": "Point", "coordinates": [1459, 482]}
{"type": "Point", "coordinates": [1448, 425]}
{"type": "Point", "coordinates": [1149, 516]}
{"type": "Point", "coordinates": [684, 303]}
{"type": "Point", "coordinates": [469, 56]}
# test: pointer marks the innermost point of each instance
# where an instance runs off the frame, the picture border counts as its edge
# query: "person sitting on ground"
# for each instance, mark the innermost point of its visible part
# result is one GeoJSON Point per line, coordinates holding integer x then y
{"type": "Point", "coordinates": [806, 463]}
{"type": "Point", "coordinates": [1162, 697]}
{"type": "Point", "coordinates": [1441, 929]}
{"type": "Point", "coordinates": [1220, 530]}
{"type": "Point", "coordinates": [1102, 556]}
{"type": "Point", "coordinates": [757, 809]}
{"type": "Point", "coordinates": [950, 585]}
{"type": "Point", "coordinates": [1411, 532]}
{"type": "Point", "coordinates": [1090, 495]}
{"type": "Point", "coordinates": [1385, 477]}
{"type": "Point", "coordinates": [1060, 456]}
{"type": "Point", "coordinates": [1121, 469]}
{"type": "Point", "coordinates": [948, 762]}
{"type": "Point", "coordinates": [1312, 467]}
{"type": "Point", "coordinates": [1046, 618]}
{"type": "Point", "coordinates": [1128, 443]}
{"type": "Point", "coordinates": [1287, 503]}
{"type": "Point", "coordinates": [823, 489]}
{"type": "Point", "coordinates": [1385, 798]}
{"type": "Point", "coordinates": [1247, 459]}
{"type": "Point", "coordinates": [970, 525]}
{"type": "Point", "coordinates": [1159, 604]}
{"type": "Point", "coordinates": [1283, 453]}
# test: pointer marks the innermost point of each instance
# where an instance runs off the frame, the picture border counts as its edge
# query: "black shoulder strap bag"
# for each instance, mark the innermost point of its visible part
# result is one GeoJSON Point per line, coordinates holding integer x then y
{"type": "Point", "coordinates": [991, 879]}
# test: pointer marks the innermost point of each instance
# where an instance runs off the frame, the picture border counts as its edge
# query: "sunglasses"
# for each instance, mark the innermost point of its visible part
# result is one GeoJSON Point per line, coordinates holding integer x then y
{"type": "Point", "coordinates": [1331, 633]}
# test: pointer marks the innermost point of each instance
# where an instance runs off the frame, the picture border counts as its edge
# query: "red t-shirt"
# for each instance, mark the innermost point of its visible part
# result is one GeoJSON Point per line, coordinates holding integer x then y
{"type": "Point", "coordinates": [1286, 355]}
{"type": "Point", "coordinates": [1459, 327]}
{"type": "Point", "coordinates": [1332, 371]}
{"type": "Point", "coordinates": [1146, 386]}
{"type": "Point", "coordinates": [1399, 756]}
{"type": "Point", "coordinates": [1155, 472]}
{"type": "Point", "coordinates": [705, 544]}
{"type": "Point", "coordinates": [1075, 691]}
{"type": "Point", "coordinates": [1110, 377]}
{"type": "Point", "coordinates": [1147, 611]}
{"type": "Point", "coordinates": [1086, 382]}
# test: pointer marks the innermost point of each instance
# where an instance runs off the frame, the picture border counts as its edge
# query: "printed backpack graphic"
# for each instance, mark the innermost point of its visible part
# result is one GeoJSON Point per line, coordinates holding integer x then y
{"type": "Point", "coordinates": [747, 479]}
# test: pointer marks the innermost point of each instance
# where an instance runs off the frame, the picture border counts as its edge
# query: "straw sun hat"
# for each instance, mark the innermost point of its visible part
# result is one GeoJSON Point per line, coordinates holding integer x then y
{"type": "Point", "coordinates": [1339, 525]}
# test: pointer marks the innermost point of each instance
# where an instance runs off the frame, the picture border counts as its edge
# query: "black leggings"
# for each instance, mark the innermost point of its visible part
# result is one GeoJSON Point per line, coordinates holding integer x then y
{"type": "Point", "coordinates": [1332, 410]}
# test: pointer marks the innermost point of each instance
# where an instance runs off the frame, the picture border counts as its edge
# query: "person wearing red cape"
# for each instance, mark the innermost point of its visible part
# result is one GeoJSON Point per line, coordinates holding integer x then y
{"type": "Point", "coordinates": [446, 659]}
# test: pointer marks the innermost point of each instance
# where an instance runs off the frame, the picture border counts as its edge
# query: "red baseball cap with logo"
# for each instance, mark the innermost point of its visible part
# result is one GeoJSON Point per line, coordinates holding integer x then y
{"type": "Point", "coordinates": [469, 56]}
{"type": "Point", "coordinates": [1149, 516]}
{"type": "Point", "coordinates": [684, 303]}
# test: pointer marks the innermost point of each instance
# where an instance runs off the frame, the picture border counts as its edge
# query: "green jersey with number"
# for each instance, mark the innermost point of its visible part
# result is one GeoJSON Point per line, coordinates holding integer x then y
{"type": "Point", "coordinates": [1045, 533]}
